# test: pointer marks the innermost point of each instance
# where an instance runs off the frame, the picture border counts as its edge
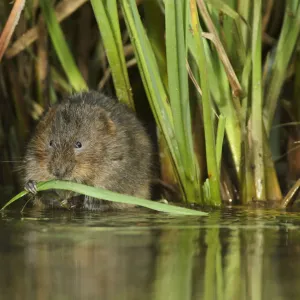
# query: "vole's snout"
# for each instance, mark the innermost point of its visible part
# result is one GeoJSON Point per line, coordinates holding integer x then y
{"type": "Point", "coordinates": [61, 172]}
{"type": "Point", "coordinates": [58, 173]}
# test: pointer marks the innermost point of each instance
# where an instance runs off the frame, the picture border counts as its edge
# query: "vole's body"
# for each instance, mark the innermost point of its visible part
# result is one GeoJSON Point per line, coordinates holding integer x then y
{"type": "Point", "coordinates": [91, 139]}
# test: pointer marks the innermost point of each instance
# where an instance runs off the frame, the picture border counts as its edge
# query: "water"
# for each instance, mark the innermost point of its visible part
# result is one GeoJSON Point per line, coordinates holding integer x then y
{"type": "Point", "coordinates": [231, 254]}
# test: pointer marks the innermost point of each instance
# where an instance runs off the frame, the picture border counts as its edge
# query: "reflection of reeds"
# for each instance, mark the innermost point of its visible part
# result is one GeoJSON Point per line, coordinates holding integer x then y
{"type": "Point", "coordinates": [239, 54]}
{"type": "Point", "coordinates": [175, 263]}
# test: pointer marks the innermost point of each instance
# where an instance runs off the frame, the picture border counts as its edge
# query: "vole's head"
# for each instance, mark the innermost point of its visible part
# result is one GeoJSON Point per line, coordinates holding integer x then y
{"type": "Point", "coordinates": [72, 142]}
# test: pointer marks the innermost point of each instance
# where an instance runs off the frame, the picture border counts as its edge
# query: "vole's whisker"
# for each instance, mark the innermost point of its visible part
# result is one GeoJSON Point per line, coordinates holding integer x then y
{"type": "Point", "coordinates": [10, 161]}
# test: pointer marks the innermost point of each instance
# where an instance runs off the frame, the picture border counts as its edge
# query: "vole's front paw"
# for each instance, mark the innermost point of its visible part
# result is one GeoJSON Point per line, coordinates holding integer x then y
{"type": "Point", "coordinates": [30, 186]}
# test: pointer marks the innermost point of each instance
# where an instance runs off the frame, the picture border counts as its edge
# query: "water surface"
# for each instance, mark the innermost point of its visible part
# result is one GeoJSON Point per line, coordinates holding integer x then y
{"type": "Point", "coordinates": [231, 254]}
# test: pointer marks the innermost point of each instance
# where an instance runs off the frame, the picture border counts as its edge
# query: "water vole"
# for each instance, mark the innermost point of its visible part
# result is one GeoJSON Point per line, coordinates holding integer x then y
{"type": "Point", "coordinates": [92, 139]}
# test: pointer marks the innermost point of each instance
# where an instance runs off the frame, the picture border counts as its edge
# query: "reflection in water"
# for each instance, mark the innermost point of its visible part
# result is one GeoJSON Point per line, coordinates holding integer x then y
{"type": "Point", "coordinates": [231, 254]}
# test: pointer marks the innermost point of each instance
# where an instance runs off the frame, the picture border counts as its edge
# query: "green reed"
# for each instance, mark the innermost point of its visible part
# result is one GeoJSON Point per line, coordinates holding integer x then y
{"type": "Point", "coordinates": [211, 72]}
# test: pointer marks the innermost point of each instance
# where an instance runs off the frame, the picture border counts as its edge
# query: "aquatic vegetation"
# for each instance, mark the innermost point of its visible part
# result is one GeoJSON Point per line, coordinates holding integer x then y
{"type": "Point", "coordinates": [222, 79]}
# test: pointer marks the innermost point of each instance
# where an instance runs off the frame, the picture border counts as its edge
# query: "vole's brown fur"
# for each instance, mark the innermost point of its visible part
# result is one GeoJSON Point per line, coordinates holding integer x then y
{"type": "Point", "coordinates": [115, 151]}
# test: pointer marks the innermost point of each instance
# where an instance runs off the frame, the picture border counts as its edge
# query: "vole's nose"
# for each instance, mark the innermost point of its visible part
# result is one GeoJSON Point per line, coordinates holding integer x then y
{"type": "Point", "coordinates": [59, 172]}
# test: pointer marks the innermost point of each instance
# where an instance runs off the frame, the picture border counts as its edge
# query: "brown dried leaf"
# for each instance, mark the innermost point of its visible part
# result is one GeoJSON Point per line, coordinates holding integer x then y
{"type": "Point", "coordinates": [10, 25]}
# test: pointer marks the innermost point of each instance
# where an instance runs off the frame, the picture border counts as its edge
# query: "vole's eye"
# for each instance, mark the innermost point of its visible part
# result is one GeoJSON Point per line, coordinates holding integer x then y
{"type": "Point", "coordinates": [78, 145]}
{"type": "Point", "coordinates": [51, 143]}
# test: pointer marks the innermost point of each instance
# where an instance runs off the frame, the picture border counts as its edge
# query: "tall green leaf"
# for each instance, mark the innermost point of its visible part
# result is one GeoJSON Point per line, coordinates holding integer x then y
{"type": "Point", "coordinates": [256, 110]}
{"type": "Point", "coordinates": [152, 81]}
{"type": "Point", "coordinates": [100, 193]}
{"type": "Point", "coordinates": [214, 179]}
{"type": "Point", "coordinates": [62, 50]}
{"type": "Point", "coordinates": [289, 35]}
{"type": "Point", "coordinates": [176, 41]}
{"type": "Point", "coordinates": [106, 14]}
{"type": "Point", "coordinates": [221, 95]}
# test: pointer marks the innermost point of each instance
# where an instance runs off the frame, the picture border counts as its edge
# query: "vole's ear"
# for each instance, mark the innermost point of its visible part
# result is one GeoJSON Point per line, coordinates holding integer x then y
{"type": "Point", "coordinates": [47, 118]}
{"type": "Point", "coordinates": [111, 127]}
{"type": "Point", "coordinates": [109, 124]}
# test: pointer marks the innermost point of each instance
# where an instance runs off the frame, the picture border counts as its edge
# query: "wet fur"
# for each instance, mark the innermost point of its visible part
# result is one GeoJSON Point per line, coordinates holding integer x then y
{"type": "Point", "coordinates": [115, 153]}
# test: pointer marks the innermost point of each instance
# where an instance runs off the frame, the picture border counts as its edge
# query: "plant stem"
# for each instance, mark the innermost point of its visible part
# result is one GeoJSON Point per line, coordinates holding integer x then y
{"type": "Point", "coordinates": [213, 174]}
{"type": "Point", "coordinates": [256, 112]}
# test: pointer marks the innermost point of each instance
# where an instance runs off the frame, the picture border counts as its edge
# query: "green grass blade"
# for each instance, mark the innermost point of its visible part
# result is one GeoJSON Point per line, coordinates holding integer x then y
{"type": "Point", "coordinates": [106, 14]}
{"type": "Point", "coordinates": [60, 80]}
{"type": "Point", "coordinates": [176, 24]}
{"type": "Point", "coordinates": [152, 80]}
{"type": "Point", "coordinates": [108, 195]}
{"type": "Point", "coordinates": [220, 139]}
{"type": "Point", "coordinates": [214, 178]}
{"type": "Point", "coordinates": [155, 32]}
{"type": "Point", "coordinates": [65, 57]}
{"type": "Point", "coordinates": [288, 36]}
{"type": "Point", "coordinates": [149, 71]}
{"type": "Point", "coordinates": [224, 8]}
{"type": "Point", "coordinates": [244, 10]}
{"type": "Point", "coordinates": [221, 95]}
{"type": "Point", "coordinates": [296, 92]}
{"type": "Point", "coordinates": [246, 179]}
{"type": "Point", "coordinates": [232, 33]}
{"type": "Point", "coordinates": [19, 196]}
{"type": "Point", "coordinates": [257, 103]}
